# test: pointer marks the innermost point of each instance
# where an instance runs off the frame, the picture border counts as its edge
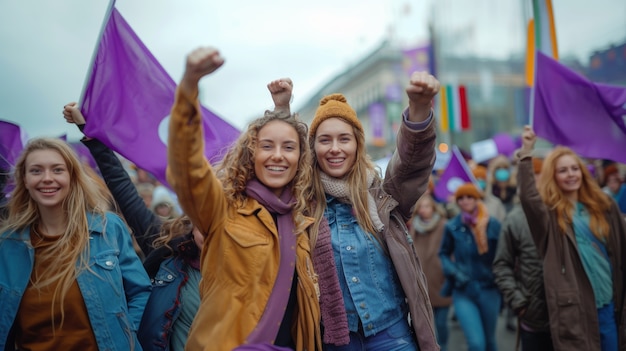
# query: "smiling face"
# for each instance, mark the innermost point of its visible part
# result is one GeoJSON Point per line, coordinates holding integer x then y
{"type": "Point", "coordinates": [568, 175]}
{"type": "Point", "coordinates": [47, 178]}
{"type": "Point", "coordinates": [467, 203]}
{"type": "Point", "coordinates": [335, 147]}
{"type": "Point", "coordinates": [276, 155]}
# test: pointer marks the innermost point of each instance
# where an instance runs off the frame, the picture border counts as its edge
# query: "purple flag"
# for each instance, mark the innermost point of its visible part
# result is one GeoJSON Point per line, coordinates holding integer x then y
{"type": "Point", "coordinates": [418, 59]}
{"type": "Point", "coordinates": [456, 173]}
{"type": "Point", "coordinates": [11, 145]}
{"type": "Point", "coordinates": [571, 111]}
{"type": "Point", "coordinates": [128, 99]}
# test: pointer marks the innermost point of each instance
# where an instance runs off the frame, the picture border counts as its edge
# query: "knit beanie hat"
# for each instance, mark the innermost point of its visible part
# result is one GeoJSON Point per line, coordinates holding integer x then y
{"type": "Point", "coordinates": [334, 105]}
{"type": "Point", "coordinates": [480, 172]}
{"type": "Point", "coordinates": [467, 189]}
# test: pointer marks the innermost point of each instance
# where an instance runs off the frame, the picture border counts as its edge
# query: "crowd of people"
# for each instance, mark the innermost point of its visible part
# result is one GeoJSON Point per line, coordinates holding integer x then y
{"type": "Point", "coordinates": [296, 241]}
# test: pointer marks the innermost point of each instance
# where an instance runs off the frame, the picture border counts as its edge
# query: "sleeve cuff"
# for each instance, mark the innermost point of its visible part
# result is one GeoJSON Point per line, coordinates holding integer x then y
{"type": "Point", "coordinates": [417, 126]}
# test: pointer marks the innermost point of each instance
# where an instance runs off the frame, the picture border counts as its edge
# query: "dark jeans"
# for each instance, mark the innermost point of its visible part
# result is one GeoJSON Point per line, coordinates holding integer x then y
{"type": "Point", "coordinates": [441, 323]}
{"type": "Point", "coordinates": [398, 337]}
{"type": "Point", "coordinates": [535, 341]}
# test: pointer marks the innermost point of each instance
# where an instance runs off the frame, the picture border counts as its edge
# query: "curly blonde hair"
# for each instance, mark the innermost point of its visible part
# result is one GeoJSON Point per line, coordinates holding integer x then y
{"type": "Point", "coordinates": [237, 166]}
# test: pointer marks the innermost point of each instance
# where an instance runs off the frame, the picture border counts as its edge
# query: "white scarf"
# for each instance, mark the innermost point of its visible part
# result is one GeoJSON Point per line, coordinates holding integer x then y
{"type": "Point", "coordinates": [339, 189]}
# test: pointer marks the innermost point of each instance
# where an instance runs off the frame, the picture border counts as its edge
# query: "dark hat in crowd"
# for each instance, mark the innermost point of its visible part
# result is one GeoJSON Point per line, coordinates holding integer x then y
{"type": "Point", "coordinates": [334, 105]}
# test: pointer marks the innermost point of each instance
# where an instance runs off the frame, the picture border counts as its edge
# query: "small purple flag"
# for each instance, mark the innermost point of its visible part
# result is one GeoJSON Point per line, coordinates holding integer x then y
{"type": "Point", "coordinates": [12, 140]}
{"type": "Point", "coordinates": [571, 111]}
{"type": "Point", "coordinates": [128, 99]}
{"type": "Point", "coordinates": [456, 173]}
{"type": "Point", "coordinates": [11, 145]}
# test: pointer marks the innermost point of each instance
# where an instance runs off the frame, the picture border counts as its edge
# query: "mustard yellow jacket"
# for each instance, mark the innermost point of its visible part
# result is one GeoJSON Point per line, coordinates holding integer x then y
{"type": "Point", "coordinates": [240, 256]}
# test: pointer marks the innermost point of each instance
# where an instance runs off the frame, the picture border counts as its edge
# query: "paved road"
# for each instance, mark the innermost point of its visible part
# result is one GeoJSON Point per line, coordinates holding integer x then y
{"type": "Point", "coordinates": [506, 339]}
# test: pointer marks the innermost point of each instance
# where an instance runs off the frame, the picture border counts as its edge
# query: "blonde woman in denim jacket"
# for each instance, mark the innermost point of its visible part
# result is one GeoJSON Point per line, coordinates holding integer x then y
{"type": "Point", "coordinates": [69, 276]}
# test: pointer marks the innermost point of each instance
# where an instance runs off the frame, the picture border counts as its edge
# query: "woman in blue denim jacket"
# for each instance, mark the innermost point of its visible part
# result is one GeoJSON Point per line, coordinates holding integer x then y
{"type": "Point", "coordinates": [380, 278]}
{"type": "Point", "coordinates": [69, 276]}
{"type": "Point", "coordinates": [467, 252]}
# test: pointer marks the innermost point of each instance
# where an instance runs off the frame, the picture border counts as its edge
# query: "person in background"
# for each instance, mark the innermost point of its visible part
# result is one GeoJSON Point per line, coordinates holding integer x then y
{"type": "Point", "coordinates": [426, 228]}
{"type": "Point", "coordinates": [380, 277]}
{"type": "Point", "coordinates": [500, 181]}
{"type": "Point", "coordinates": [70, 278]}
{"type": "Point", "coordinates": [467, 252]}
{"type": "Point", "coordinates": [494, 205]}
{"type": "Point", "coordinates": [258, 284]}
{"type": "Point", "coordinates": [519, 275]}
{"type": "Point", "coordinates": [581, 237]}
{"type": "Point", "coordinates": [614, 186]}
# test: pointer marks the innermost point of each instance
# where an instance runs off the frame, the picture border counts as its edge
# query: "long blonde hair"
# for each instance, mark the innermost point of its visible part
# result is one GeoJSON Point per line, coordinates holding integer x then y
{"type": "Point", "coordinates": [85, 195]}
{"type": "Point", "coordinates": [237, 166]}
{"type": "Point", "coordinates": [357, 181]}
{"type": "Point", "coordinates": [595, 200]}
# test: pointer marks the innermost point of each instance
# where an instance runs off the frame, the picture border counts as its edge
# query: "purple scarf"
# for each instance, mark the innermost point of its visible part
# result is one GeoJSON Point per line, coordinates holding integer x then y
{"type": "Point", "coordinates": [267, 328]}
{"type": "Point", "coordinates": [331, 300]}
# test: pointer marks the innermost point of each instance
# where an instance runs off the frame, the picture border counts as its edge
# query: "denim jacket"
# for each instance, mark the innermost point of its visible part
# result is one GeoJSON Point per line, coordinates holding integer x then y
{"type": "Point", "coordinates": [468, 265]}
{"type": "Point", "coordinates": [163, 308]}
{"type": "Point", "coordinates": [369, 283]}
{"type": "Point", "coordinates": [115, 296]}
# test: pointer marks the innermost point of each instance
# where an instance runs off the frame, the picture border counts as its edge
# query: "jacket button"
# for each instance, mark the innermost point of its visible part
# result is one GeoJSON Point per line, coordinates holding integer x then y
{"type": "Point", "coordinates": [355, 279]}
{"type": "Point", "coordinates": [169, 276]}
{"type": "Point", "coordinates": [108, 263]}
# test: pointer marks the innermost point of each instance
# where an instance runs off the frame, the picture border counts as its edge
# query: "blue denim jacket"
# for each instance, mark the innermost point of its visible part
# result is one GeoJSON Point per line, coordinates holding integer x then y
{"type": "Point", "coordinates": [115, 296]}
{"type": "Point", "coordinates": [371, 290]}
{"type": "Point", "coordinates": [458, 242]}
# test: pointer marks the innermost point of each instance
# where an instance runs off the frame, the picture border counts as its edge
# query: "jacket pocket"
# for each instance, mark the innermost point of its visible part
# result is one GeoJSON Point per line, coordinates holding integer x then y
{"type": "Point", "coordinates": [107, 265]}
{"type": "Point", "coordinates": [569, 315]}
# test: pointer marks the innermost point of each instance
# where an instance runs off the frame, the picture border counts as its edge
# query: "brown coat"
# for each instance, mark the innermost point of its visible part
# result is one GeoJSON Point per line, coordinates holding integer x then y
{"type": "Point", "coordinates": [427, 247]}
{"type": "Point", "coordinates": [569, 295]}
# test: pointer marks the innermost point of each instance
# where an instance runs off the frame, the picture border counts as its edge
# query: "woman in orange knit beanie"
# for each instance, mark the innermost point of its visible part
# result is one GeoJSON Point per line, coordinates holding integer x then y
{"type": "Point", "coordinates": [471, 238]}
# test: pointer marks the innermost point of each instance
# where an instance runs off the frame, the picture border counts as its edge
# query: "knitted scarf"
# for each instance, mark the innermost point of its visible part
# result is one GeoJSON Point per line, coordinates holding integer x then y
{"type": "Point", "coordinates": [478, 221]}
{"type": "Point", "coordinates": [332, 305]}
{"type": "Point", "coordinates": [423, 227]}
{"type": "Point", "coordinates": [340, 189]}
{"type": "Point", "coordinates": [267, 328]}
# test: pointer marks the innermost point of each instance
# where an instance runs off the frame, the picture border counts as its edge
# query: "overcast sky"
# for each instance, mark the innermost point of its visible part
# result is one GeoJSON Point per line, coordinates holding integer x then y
{"type": "Point", "coordinates": [46, 46]}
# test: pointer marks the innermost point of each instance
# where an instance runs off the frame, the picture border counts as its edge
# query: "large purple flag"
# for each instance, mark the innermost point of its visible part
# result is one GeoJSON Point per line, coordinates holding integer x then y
{"type": "Point", "coordinates": [128, 98]}
{"type": "Point", "coordinates": [571, 111]}
{"type": "Point", "coordinates": [456, 173]}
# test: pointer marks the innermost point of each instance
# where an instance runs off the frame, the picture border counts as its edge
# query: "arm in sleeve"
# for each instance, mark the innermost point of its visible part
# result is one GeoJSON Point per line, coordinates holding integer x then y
{"type": "Point", "coordinates": [190, 174]}
{"type": "Point", "coordinates": [504, 266]}
{"type": "Point", "coordinates": [534, 208]}
{"type": "Point", "coordinates": [145, 225]}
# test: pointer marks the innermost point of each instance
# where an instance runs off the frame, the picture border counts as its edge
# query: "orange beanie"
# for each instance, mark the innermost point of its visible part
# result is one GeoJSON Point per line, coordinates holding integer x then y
{"type": "Point", "coordinates": [334, 105]}
{"type": "Point", "coordinates": [467, 189]}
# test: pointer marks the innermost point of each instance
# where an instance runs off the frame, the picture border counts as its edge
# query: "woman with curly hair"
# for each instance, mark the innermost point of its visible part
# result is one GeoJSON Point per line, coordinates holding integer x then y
{"type": "Point", "coordinates": [258, 286]}
{"type": "Point", "coordinates": [581, 236]}
{"type": "Point", "coordinates": [69, 276]}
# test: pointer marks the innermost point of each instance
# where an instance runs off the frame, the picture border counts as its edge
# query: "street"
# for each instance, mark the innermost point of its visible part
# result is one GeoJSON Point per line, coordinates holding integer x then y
{"type": "Point", "coordinates": [506, 339]}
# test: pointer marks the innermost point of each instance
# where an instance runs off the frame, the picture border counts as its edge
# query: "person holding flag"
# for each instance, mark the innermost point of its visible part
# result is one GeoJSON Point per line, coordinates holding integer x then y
{"type": "Point", "coordinates": [581, 237]}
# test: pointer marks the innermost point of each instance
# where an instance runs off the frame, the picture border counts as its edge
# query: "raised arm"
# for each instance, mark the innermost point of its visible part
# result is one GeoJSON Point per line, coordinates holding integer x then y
{"type": "Point", "coordinates": [281, 91]}
{"type": "Point", "coordinates": [144, 224]}
{"type": "Point", "coordinates": [189, 173]}
{"type": "Point", "coordinates": [409, 169]}
{"type": "Point", "coordinates": [535, 209]}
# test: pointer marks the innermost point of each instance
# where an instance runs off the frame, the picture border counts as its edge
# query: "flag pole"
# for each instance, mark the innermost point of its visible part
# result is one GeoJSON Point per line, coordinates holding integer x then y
{"type": "Point", "coordinates": [107, 15]}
